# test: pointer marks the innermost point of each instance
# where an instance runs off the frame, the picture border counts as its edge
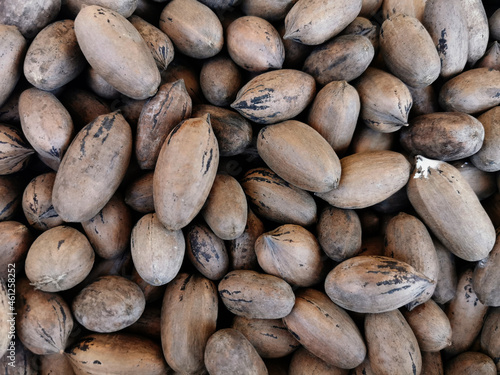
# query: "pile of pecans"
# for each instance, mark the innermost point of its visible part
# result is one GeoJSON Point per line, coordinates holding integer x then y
{"type": "Point", "coordinates": [249, 187]}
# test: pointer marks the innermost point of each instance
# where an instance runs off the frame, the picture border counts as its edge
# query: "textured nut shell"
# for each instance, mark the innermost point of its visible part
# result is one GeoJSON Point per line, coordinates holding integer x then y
{"type": "Point", "coordinates": [368, 178]}
{"type": "Point", "coordinates": [188, 319]}
{"type": "Point", "coordinates": [430, 325]}
{"type": "Point", "coordinates": [470, 363]}
{"type": "Point", "coordinates": [344, 58]}
{"type": "Point", "coordinates": [414, 8]}
{"type": "Point", "coordinates": [109, 231]}
{"type": "Point", "coordinates": [490, 339]}
{"type": "Point", "coordinates": [271, 11]}
{"type": "Point", "coordinates": [374, 284]}
{"type": "Point", "coordinates": [450, 208]}
{"type": "Point", "coordinates": [299, 155]}
{"type": "Point", "coordinates": [221, 5]}
{"type": "Point", "coordinates": [233, 131]}
{"type": "Point", "coordinates": [275, 199]}
{"type": "Point", "coordinates": [445, 136]}
{"type": "Point", "coordinates": [92, 168]}
{"type": "Point", "coordinates": [54, 58]}
{"type": "Point", "coordinates": [193, 27]}
{"type": "Point", "coordinates": [225, 210]}
{"type": "Point", "coordinates": [13, 45]}
{"type": "Point", "coordinates": [407, 240]}
{"type": "Point", "coordinates": [109, 304]}
{"type": "Point", "coordinates": [304, 362]}
{"type": "Point", "coordinates": [170, 105]}
{"type": "Point", "coordinates": [292, 253]}
{"type": "Point", "coordinates": [485, 278]}
{"type": "Point", "coordinates": [446, 286]}
{"type": "Point", "coordinates": [10, 197]}
{"type": "Point", "coordinates": [334, 114]}
{"type": "Point", "coordinates": [494, 25]}
{"type": "Point", "coordinates": [242, 249]}
{"type": "Point", "coordinates": [37, 203]}
{"type": "Point", "coordinates": [29, 16]}
{"type": "Point", "coordinates": [157, 252]}
{"type": "Point", "coordinates": [26, 361]}
{"type": "Point", "coordinates": [339, 233]}
{"type": "Point", "coordinates": [254, 44]}
{"type": "Point", "coordinates": [59, 259]}
{"type": "Point", "coordinates": [14, 152]}
{"type": "Point", "coordinates": [315, 21]}
{"type": "Point", "coordinates": [158, 42]}
{"type": "Point", "coordinates": [123, 7]}
{"type": "Point", "coordinates": [220, 80]}
{"type": "Point", "coordinates": [472, 91]}
{"type": "Point", "coordinates": [491, 58]}
{"type": "Point", "coordinates": [116, 50]}
{"type": "Point", "coordinates": [484, 184]}
{"type": "Point", "coordinates": [179, 197]}
{"type": "Point", "coordinates": [275, 96]}
{"type": "Point", "coordinates": [118, 353]}
{"type": "Point", "coordinates": [270, 337]}
{"type": "Point", "coordinates": [364, 368]}
{"type": "Point", "coordinates": [385, 100]}
{"type": "Point", "coordinates": [488, 157]}
{"type": "Point", "coordinates": [466, 314]}
{"type": "Point", "coordinates": [255, 295]}
{"type": "Point", "coordinates": [363, 26]}
{"type": "Point", "coordinates": [15, 241]}
{"type": "Point", "coordinates": [207, 252]}
{"type": "Point", "coordinates": [477, 24]}
{"type": "Point", "coordinates": [408, 51]}
{"type": "Point", "coordinates": [44, 321]}
{"type": "Point", "coordinates": [46, 124]}
{"type": "Point", "coordinates": [446, 22]}
{"type": "Point", "coordinates": [392, 346]}
{"type": "Point", "coordinates": [326, 330]}
{"type": "Point", "coordinates": [229, 352]}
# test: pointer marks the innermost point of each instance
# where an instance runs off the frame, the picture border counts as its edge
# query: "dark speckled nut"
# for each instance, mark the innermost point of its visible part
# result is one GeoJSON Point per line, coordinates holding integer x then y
{"type": "Point", "coordinates": [188, 319]}
{"type": "Point", "coordinates": [275, 96]}
{"type": "Point", "coordinates": [275, 199]}
{"type": "Point", "coordinates": [170, 105]}
{"type": "Point", "coordinates": [246, 293]}
{"type": "Point", "coordinates": [191, 147]}
{"type": "Point", "coordinates": [14, 151]}
{"type": "Point", "coordinates": [344, 58]}
{"type": "Point", "coordinates": [10, 197]}
{"type": "Point", "coordinates": [37, 203]}
{"type": "Point", "coordinates": [207, 252]}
